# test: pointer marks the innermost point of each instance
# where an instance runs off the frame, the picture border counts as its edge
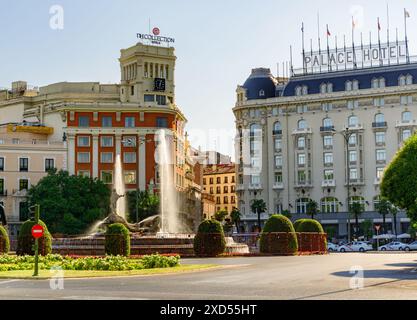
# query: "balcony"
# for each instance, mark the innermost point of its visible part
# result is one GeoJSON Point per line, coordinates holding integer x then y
{"type": "Point", "coordinates": [240, 187]}
{"type": "Point", "coordinates": [353, 127]}
{"type": "Point", "coordinates": [255, 186]}
{"type": "Point", "coordinates": [327, 129]}
{"type": "Point", "coordinates": [379, 125]}
{"type": "Point", "coordinates": [303, 184]}
{"type": "Point", "coordinates": [278, 186]}
{"type": "Point", "coordinates": [328, 183]}
{"type": "Point", "coordinates": [302, 131]}
{"type": "Point", "coordinates": [355, 182]}
{"type": "Point", "coordinates": [276, 132]}
{"type": "Point", "coordinates": [400, 123]}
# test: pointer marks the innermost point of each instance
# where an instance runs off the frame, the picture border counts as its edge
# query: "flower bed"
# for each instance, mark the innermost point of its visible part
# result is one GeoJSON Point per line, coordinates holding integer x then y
{"type": "Point", "coordinates": [108, 263]}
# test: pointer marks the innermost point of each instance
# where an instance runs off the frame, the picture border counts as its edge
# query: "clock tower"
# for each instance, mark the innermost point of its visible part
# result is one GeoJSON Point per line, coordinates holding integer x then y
{"type": "Point", "coordinates": [147, 75]}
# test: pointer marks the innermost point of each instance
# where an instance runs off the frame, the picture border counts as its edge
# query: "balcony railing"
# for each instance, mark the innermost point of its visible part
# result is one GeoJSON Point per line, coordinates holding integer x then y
{"type": "Point", "coordinates": [327, 129]}
{"type": "Point", "coordinates": [379, 124]}
{"type": "Point", "coordinates": [328, 183]}
{"type": "Point", "coordinates": [255, 186]}
{"type": "Point", "coordinates": [240, 187]}
{"type": "Point", "coordinates": [401, 123]}
{"type": "Point", "coordinates": [278, 186]}
{"type": "Point", "coordinates": [276, 132]}
{"type": "Point", "coordinates": [302, 131]}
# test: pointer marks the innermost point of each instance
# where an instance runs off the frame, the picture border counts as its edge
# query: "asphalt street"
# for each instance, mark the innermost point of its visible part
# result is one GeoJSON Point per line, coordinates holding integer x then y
{"type": "Point", "coordinates": [333, 276]}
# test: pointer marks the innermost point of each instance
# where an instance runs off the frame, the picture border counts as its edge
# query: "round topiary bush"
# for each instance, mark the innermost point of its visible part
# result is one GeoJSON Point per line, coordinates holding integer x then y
{"type": "Point", "coordinates": [117, 240]}
{"type": "Point", "coordinates": [4, 241]}
{"type": "Point", "coordinates": [278, 236]}
{"type": "Point", "coordinates": [311, 236]}
{"type": "Point", "coordinates": [209, 240]}
{"type": "Point", "coordinates": [26, 242]}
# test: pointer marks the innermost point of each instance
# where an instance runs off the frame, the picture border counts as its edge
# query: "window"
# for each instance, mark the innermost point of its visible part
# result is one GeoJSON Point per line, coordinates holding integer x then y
{"type": "Point", "coordinates": [211, 190]}
{"type": "Point", "coordinates": [129, 157]}
{"type": "Point", "coordinates": [379, 118]}
{"type": "Point", "coordinates": [83, 141]}
{"type": "Point", "coordinates": [406, 100]}
{"type": "Point", "coordinates": [83, 121]}
{"type": "Point", "coordinates": [130, 177]}
{"type": "Point", "coordinates": [301, 142]}
{"type": "Point", "coordinates": [261, 93]}
{"type": "Point", "coordinates": [405, 134]}
{"type": "Point", "coordinates": [327, 123]}
{"type": "Point", "coordinates": [379, 102]}
{"type": "Point", "coordinates": [353, 104]}
{"type": "Point", "coordinates": [326, 88]}
{"type": "Point", "coordinates": [23, 211]}
{"type": "Point", "coordinates": [2, 187]}
{"type": "Point", "coordinates": [107, 177]}
{"type": "Point", "coordinates": [409, 80]}
{"type": "Point", "coordinates": [278, 177]}
{"type": "Point", "coordinates": [405, 80]}
{"type": "Point", "coordinates": [149, 98]}
{"type": "Point", "coordinates": [302, 124]}
{"type": "Point", "coordinates": [129, 141]}
{"type": "Point", "coordinates": [106, 122]}
{"type": "Point", "coordinates": [23, 164]}
{"type": "Point", "coordinates": [357, 199]}
{"type": "Point", "coordinates": [277, 128]}
{"type": "Point", "coordinates": [129, 122]}
{"type": "Point", "coordinates": [379, 173]}
{"type": "Point", "coordinates": [225, 189]}
{"type": "Point", "coordinates": [49, 164]}
{"type": "Point", "coordinates": [301, 205]}
{"type": "Point", "coordinates": [226, 180]}
{"type": "Point", "coordinates": [84, 173]}
{"type": "Point", "coordinates": [106, 141]}
{"type": "Point", "coordinates": [348, 86]}
{"type": "Point", "coordinates": [162, 122]}
{"type": "Point", "coordinates": [353, 139]}
{"type": "Point", "coordinates": [83, 157]}
{"type": "Point", "coordinates": [1, 163]}
{"type": "Point", "coordinates": [328, 141]}
{"type": "Point", "coordinates": [225, 200]}
{"type": "Point", "coordinates": [106, 157]}
{"type": "Point", "coordinates": [278, 144]}
{"type": "Point", "coordinates": [355, 85]}
{"type": "Point", "coordinates": [353, 173]}
{"type": "Point", "coordinates": [218, 190]}
{"type": "Point", "coordinates": [278, 161]}
{"type": "Point", "coordinates": [329, 205]}
{"type": "Point", "coordinates": [378, 83]}
{"type": "Point", "coordinates": [301, 177]}
{"type": "Point", "coordinates": [132, 90]}
{"type": "Point", "coordinates": [232, 199]}
{"type": "Point", "coordinates": [305, 90]}
{"type": "Point", "coordinates": [298, 91]}
{"type": "Point", "coordinates": [379, 137]}
{"type": "Point", "coordinates": [353, 121]}
{"type": "Point", "coordinates": [381, 155]}
{"type": "Point", "coordinates": [23, 184]}
{"type": "Point", "coordinates": [328, 158]}
{"type": "Point", "coordinates": [302, 109]}
{"type": "Point", "coordinates": [328, 175]}
{"type": "Point", "coordinates": [211, 180]}
{"type": "Point", "coordinates": [255, 179]}
{"type": "Point", "coordinates": [353, 156]}
{"type": "Point", "coordinates": [161, 100]}
{"type": "Point", "coordinates": [406, 116]}
{"type": "Point", "coordinates": [218, 180]}
{"type": "Point", "coordinates": [301, 159]}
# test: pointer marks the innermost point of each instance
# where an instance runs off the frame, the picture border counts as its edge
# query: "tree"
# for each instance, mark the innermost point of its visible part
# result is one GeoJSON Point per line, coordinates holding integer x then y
{"type": "Point", "coordinates": [142, 203]}
{"type": "Point", "coordinates": [399, 182]}
{"type": "Point", "coordinates": [258, 206]}
{"type": "Point", "coordinates": [69, 203]}
{"type": "Point", "coordinates": [383, 208]}
{"type": "Point", "coordinates": [394, 211]}
{"type": "Point", "coordinates": [366, 227]}
{"type": "Point", "coordinates": [356, 209]}
{"type": "Point", "coordinates": [220, 215]}
{"type": "Point", "coordinates": [312, 208]}
{"type": "Point", "coordinates": [235, 215]}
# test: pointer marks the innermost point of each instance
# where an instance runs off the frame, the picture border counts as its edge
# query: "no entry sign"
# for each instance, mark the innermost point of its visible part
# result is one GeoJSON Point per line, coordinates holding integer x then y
{"type": "Point", "coordinates": [37, 231]}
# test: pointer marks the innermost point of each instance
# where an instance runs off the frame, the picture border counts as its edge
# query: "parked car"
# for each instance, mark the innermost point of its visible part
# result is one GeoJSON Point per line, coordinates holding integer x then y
{"type": "Point", "coordinates": [411, 246]}
{"type": "Point", "coordinates": [331, 247]}
{"type": "Point", "coordinates": [394, 246]}
{"type": "Point", "coordinates": [355, 246]}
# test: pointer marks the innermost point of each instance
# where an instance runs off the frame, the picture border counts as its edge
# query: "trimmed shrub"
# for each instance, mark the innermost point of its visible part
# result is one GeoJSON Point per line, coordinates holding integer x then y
{"type": "Point", "coordinates": [209, 240]}
{"type": "Point", "coordinates": [117, 240]}
{"type": "Point", "coordinates": [313, 243]}
{"type": "Point", "coordinates": [25, 241]}
{"type": "Point", "coordinates": [4, 241]}
{"type": "Point", "coordinates": [278, 236]}
{"type": "Point", "coordinates": [297, 224]}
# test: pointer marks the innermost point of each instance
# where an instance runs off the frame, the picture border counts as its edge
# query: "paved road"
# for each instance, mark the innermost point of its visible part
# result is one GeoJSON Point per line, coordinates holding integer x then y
{"type": "Point", "coordinates": [386, 276]}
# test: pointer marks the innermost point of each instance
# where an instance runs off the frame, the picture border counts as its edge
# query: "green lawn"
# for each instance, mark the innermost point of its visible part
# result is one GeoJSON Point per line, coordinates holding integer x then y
{"type": "Point", "coordinates": [46, 274]}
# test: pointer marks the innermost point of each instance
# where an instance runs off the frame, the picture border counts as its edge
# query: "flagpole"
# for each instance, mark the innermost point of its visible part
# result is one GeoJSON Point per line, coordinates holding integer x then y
{"type": "Point", "coordinates": [362, 58]}
{"type": "Point", "coordinates": [406, 38]}
{"type": "Point", "coordinates": [353, 44]}
{"type": "Point", "coordinates": [370, 47]}
{"type": "Point", "coordinates": [311, 52]}
{"type": "Point", "coordinates": [337, 65]}
{"type": "Point", "coordinates": [379, 43]}
{"type": "Point", "coordinates": [389, 60]}
{"type": "Point", "coordinates": [344, 49]}
{"type": "Point", "coordinates": [396, 42]}
{"type": "Point", "coordinates": [318, 34]}
{"type": "Point", "coordinates": [304, 54]}
{"type": "Point", "coordinates": [329, 68]}
{"type": "Point", "coordinates": [291, 68]}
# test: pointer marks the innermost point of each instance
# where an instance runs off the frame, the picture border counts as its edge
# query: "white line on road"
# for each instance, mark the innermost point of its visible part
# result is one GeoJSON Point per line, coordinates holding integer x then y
{"type": "Point", "coordinates": [9, 281]}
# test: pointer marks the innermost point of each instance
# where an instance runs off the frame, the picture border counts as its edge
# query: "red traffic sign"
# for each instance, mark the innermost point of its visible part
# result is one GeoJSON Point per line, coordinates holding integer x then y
{"type": "Point", "coordinates": [377, 227]}
{"type": "Point", "coordinates": [37, 231]}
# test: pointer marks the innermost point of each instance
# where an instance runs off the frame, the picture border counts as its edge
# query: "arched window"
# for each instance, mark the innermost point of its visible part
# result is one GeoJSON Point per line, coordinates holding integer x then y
{"type": "Point", "coordinates": [348, 86]}
{"type": "Point", "coordinates": [357, 199]}
{"type": "Point", "coordinates": [302, 124]}
{"type": "Point", "coordinates": [381, 82]}
{"type": "Point", "coordinates": [401, 81]}
{"type": "Point", "coordinates": [353, 121]}
{"type": "Point", "coordinates": [305, 90]}
{"type": "Point", "coordinates": [406, 116]}
{"type": "Point", "coordinates": [379, 118]}
{"type": "Point", "coordinates": [301, 205]}
{"type": "Point", "coordinates": [326, 87]}
{"type": "Point", "coordinates": [255, 129]}
{"type": "Point", "coordinates": [261, 93]}
{"type": "Point", "coordinates": [409, 80]}
{"type": "Point", "coordinates": [298, 91]}
{"type": "Point", "coordinates": [355, 85]}
{"type": "Point", "coordinates": [329, 205]}
{"type": "Point", "coordinates": [277, 128]}
{"type": "Point", "coordinates": [327, 123]}
{"type": "Point", "coordinates": [375, 83]}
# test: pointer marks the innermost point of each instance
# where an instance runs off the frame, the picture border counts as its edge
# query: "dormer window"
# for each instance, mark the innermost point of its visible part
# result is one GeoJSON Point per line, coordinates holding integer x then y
{"type": "Point", "coordinates": [301, 90]}
{"type": "Point", "coordinates": [378, 83]}
{"type": "Point", "coordinates": [261, 93]}
{"type": "Point", "coordinates": [305, 90]}
{"type": "Point", "coordinates": [352, 85]}
{"type": "Point", "coordinates": [326, 87]}
{"type": "Point", "coordinates": [409, 79]}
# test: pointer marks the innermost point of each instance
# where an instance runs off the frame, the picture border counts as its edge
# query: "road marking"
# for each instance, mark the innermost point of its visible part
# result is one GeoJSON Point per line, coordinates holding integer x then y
{"type": "Point", "coordinates": [10, 281]}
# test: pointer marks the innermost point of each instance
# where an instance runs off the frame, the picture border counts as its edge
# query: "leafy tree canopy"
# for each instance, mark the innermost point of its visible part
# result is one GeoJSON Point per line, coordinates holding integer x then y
{"type": "Point", "coordinates": [146, 202]}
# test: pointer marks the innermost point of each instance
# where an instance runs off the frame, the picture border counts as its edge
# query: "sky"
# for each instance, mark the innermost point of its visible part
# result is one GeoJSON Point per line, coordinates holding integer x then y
{"type": "Point", "coordinates": [217, 43]}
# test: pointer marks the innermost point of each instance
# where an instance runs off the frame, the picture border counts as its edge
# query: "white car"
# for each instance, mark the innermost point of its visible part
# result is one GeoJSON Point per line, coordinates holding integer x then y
{"type": "Point", "coordinates": [411, 246]}
{"type": "Point", "coordinates": [355, 246]}
{"type": "Point", "coordinates": [393, 246]}
{"type": "Point", "coordinates": [331, 247]}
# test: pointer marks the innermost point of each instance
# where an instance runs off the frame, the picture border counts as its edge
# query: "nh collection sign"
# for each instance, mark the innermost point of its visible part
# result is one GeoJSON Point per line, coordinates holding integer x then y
{"type": "Point", "coordinates": [359, 56]}
{"type": "Point", "coordinates": [155, 38]}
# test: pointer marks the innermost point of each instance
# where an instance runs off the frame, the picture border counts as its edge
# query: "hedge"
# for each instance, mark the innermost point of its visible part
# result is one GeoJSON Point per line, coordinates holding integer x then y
{"type": "Point", "coordinates": [312, 243]}
{"type": "Point", "coordinates": [278, 236]}
{"type": "Point", "coordinates": [26, 242]}
{"type": "Point", "coordinates": [117, 240]}
{"type": "Point", "coordinates": [297, 224]}
{"type": "Point", "coordinates": [4, 241]}
{"type": "Point", "coordinates": [209, 240]}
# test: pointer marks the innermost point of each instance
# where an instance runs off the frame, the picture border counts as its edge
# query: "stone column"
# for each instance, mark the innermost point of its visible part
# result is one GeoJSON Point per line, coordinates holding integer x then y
{"type": "Point", "coordinates": [96, 156]}
{"type": "Point", "coordinates": [71, 153]}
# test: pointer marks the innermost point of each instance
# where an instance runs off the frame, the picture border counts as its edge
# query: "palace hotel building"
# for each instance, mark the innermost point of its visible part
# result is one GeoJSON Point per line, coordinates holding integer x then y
{"type": "Point", "coordinates": [299, 139]}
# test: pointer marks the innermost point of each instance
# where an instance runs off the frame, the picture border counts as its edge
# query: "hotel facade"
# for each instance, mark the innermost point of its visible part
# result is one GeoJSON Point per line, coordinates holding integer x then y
{"type": "Point", "coordinates": [301, 138]}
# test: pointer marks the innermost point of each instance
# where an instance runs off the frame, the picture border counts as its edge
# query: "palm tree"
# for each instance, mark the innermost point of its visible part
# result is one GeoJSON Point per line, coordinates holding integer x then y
{"type": "Point", "coordinates": [220, 215]}
{"type": "Point", "coordinates": [258, 206]}
{"type": "Point", "coordinates": [383, 208]}
{"type": "Point", "coordinates": [312, 208]}
{"type": "Point", "coordinates": [235, 215]}
{"type": "Point", "coordinates": [356, 208]}
{"type": "Point", "coordinates": [394, 211]}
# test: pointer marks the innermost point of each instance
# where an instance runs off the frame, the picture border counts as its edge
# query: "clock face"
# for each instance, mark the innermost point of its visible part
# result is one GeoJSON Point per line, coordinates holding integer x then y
{"type": "Point", "coordinates": [159, 84]}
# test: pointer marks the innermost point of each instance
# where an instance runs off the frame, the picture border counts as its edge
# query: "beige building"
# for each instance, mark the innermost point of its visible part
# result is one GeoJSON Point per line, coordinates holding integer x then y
{"type": "Point", "coordinates": [26, 154]}
{"type": "Point", "coordinates": [219, 181]}
{"type": "Point", "coordinates": [291, 145]}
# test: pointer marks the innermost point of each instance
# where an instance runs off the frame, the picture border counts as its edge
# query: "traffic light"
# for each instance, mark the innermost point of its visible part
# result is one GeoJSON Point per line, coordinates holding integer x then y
{"type": "Point", "coordinates": [31, 212]}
